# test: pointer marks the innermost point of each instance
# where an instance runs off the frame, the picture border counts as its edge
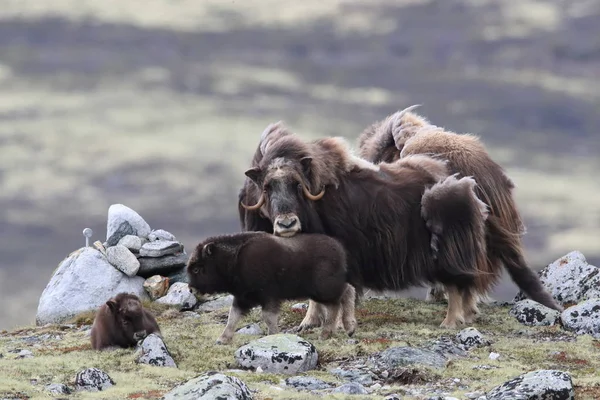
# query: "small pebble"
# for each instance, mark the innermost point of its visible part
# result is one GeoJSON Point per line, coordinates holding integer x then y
{"type": "Point", "coordinates": [494, 356]}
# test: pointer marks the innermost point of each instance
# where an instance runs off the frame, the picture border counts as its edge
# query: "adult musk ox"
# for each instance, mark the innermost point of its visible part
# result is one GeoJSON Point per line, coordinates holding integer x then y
{"type": "Point", "coordinates": [121, 322]}
{"type": "Point", "coordinates": [405, 134]}
{"type": "Point", "coordinates": [258, 268]}
{"type": "Point", "coordinates": [402, 224]}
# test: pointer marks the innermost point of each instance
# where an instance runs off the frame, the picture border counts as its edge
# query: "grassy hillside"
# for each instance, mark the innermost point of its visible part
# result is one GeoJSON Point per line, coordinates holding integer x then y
{"type": "Point", "coordinates": [160, 105]}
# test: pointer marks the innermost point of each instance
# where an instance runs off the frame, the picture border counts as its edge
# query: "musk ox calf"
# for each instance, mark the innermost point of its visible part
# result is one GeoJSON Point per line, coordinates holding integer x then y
{"type": "Point", "coordinates": [122, 321]}
{"type": "Point", "coordinates": [260, 269]}
{"type": "Point", "coordinates": [406, 134]}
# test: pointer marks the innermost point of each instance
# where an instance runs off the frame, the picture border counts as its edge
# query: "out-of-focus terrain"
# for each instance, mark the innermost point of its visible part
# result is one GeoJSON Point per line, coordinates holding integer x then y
{"type": "Point", "coordinates": [159, 105]}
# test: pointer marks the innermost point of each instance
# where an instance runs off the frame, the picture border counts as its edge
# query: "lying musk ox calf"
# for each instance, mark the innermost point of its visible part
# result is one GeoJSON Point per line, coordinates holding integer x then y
{"type": "Point", "coordinates": [122, 321]}
{"type": "Point", "coordinates": [384, 215]}
{"type": "Point", "coordinates": [404, 134]}
{"type": "Point", "coordinates": [261, 269]}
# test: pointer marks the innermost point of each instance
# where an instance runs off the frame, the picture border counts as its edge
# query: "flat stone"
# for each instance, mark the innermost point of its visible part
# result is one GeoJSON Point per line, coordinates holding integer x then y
{"type": "Point", "coordinates": [123, 221]}
{"type": "Point", "coordinates": [584, 318]}
{"type": "Point", "coordinates": [211, 385]}
{"type": "Point", "coordinates": [165, 265]}
{"type": "Point", "coordinates": [83, 282]}
{"type": "Point", "coordinates": [156, 286]}
{"type": "Point", "coordinates": [133, 243]}
{"type": "Point", "coordinates": [252, 329]}
{"type": "Point", "coordinates": [354, 375]}
{"type": "Point", "coordinates": [281, 353]}
{"type": "Point", "coordinates": [532, 313]}
{"type": "Point", "coordinates": [122, 259]}
{"type": "Point", "coordinates": [179, 294]}
{"type": "Point", "coordinates": [161, 234]}
{"type": "Point", "coordinates": [160, 248]}
{"type": "Point", "coordinates": [216, 304]}
{"type": "Point", "coordinates": [93, 380]}
{"type": "Point", "coordinates": [396, 357]}
{"type": "Point", "coordinates": [351, 388]}
{"type": "Point", "coordinates": [447, 347]}
{"type": "Point", "coordinates": [307, 383]}
{"type": "Point", "coordinates": [153, 351]}
{"type": "Point", "coordinates": [541, 384]}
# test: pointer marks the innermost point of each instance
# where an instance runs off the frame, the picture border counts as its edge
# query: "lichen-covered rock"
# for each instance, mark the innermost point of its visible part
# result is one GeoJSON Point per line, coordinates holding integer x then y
{"type": "Point", "coordinates": [542, 384]}
{"type": "Point", "coordinates": [83, 282]}
{"type": "Point", "coordinates": [532, 313]}
{"type": "Point", "coordinates": [165, 265]}
{"type": "Point", "coordinates": [584, 318]}
{"type": "Point", "coordinates": [447, 347]}
{"type": "Point", "coordinates": [123, 221]}
{"type": "Point", "coordinates": [132, 242]}
{"type": "Point", "coordinates": [58, 388]}
{"type": "Point", "coordinates": [211, 385]}
{"type": "Point", "coordinates": [354, 375]}
{"type": "Point", "coordinates": [471, 337]}
{"type": "Point", "coordinates": [569, 279]}
{"type": "Point", "coordinates": [396, 357]}
{"type": "Point", "coordinates": [252, 329]}
{"type": "Point", "coordinates": [93, 380]}
{"type": "Point", "coordinates": [216, 304]}
{"type": "Point", "coordinates": [161, 234]}
{"type": "Point", "coordinates": [351, 388]}
{"type": "Point", "coordinates": [156, 286]}
{"type": "Point", "coordinates": [281, 353]}
{"type": "Point", "coordinates": [122, 259]}
{"type": "Point", "coordinates": [153, 351]}
{"type": "Point", "coordinates": [160, 248]}
{"type": "Point", "coordinates": [179, 294]}
{"type": "Point", "coordinates": [307, 383]}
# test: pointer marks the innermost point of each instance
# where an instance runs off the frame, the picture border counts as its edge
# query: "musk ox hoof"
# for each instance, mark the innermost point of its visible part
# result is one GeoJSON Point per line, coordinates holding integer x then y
{"type": "Point", "coordinates": [223, 340]}
{"type": "Point", "coordinates": [452, 324]}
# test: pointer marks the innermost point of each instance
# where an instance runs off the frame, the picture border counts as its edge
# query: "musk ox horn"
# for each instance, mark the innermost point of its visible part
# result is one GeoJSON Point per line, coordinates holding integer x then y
{"type": "Point", "coordinates": [310, 196]}
{"type": "Point", "coordinates": [408, 109]}
{"type": "Point", "coordinates": [258, 205]}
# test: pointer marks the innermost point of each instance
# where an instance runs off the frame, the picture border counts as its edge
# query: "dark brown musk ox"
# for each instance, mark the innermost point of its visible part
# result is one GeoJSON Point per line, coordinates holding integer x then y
{"type": "Point", "coordinates": [383, 214]}
{"type": "Point", "coordinates": [121, 322]}
{"type": "Point", "coordinates": [405, 134]}
{"type": "Point", "coordinates": [260, 269]}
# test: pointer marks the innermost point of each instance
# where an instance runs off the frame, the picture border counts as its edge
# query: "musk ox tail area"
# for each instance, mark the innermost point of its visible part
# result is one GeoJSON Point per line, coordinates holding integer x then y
{"type": "Point", "coordinates": [507, 248]}
{"type": "Point", "coordinates": [456, 218]}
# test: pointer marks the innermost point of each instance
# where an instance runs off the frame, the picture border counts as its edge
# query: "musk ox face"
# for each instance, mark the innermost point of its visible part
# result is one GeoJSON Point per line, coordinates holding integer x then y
{"type": "Point", "coordinates": [129, 316]}
{"type": "Point", "coordinates": [285, 197]}
{"type": "Point", "coordinates": [203, 269]}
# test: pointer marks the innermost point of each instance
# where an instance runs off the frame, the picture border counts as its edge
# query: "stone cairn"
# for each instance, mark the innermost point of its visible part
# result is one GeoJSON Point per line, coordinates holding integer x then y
{"type": "Point", "coordinates": [134, 248]}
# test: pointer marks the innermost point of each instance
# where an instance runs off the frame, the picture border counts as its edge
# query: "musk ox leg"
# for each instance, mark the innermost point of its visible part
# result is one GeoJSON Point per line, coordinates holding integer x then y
{"type": "Point", "coordinates": [348, 310]}
{"type": "Point", "coordinates": [330, 324]}
{"type": "Point", "coordinates": [454, 315]}
{"type": "Point", "coordinates": [235, 314]}
{"type": "Point", "coordinates": [270, 316]}
{"type": "Point", "coordinates": [314, 316]}
{"type": "Point", "coordinates": [436, 294]}
{"type": "Point", "coordinates": [470, 309]}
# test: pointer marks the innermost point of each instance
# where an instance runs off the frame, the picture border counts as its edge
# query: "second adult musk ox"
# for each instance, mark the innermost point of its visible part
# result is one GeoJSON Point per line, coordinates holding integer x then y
{"type": "Point", "coordinates": [384, 215]}
{"type": "Point", "coordinates": [260, 269]}
{"type": "Point", "coordinates": [405, 134]}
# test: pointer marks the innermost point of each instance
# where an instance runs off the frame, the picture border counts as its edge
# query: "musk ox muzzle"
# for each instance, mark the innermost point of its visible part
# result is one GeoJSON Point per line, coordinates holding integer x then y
{"type": "Point", "coordinates": [286, 225]}
{"type": "Point", "coordinates": [139, 335]}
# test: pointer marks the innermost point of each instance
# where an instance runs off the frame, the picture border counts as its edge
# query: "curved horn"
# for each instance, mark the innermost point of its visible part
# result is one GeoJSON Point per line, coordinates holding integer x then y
{"type": "Point", "coordinates": [311, 196]}
{"type": "Point", "coordinates": [400, 113]}
{"type": "Point", "coordinates": [258, 205]}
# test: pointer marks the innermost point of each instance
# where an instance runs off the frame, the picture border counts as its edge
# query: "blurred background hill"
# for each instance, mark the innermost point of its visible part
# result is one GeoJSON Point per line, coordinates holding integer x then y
{"type": "Point", "coordinates": [159, 104]}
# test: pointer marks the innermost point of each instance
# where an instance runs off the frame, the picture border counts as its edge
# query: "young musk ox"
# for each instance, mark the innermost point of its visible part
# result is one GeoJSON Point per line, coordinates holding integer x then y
{"type": "Point", "coordinates": [260, 269]}
{"type": "Point", "coordinates": [405, 134]}
{"type": "Point", "coordinates": [122, 321]}
{"type": "Point", "coordinates": [382, 214]}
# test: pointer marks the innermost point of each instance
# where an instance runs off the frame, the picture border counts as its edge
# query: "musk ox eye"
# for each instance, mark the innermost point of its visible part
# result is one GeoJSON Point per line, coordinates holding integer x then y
{"type": "Point", "coordinates": [196, 270]}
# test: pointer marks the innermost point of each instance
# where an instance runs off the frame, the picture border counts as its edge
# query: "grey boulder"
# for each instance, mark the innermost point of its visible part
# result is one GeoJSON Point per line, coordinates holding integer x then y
{"type": "Point", "coordinates": [153, 351]}
{"type": "Point", "coordinates": [211, 385]}
{"type": "Point", "coordinates": [133, 243]}
{"type": "Point", "coordinates": [179, 294]}
{"type": "Point", "coordinates": [123, 221]}
{"type": "Point", "coordinates": [165, 265]}
{"type": "Point", "coordinates": [122, 259]}
{"type": "Point", "coordinates": [93, 380]}
{"type": "Point", "coordinates": [584, 318]}
{"type": "Point", "coordinates": [252, 329]}
{"type": "Point", "coordinates": [216, 304]}
{"type": "Point", "coordinates": [471, 337]}
{"type": "Point", "coordinates": [161, 234]}
{"type": "Point", "coordinates": [160, 248]}
{"type": "Point", "coordinates": [541, 384]}
{"type": "Point", "coordinates": [399, 357]}
{"type": "Point", "coordinates": [281, 353]}
{"type": "Point", "coordinates": [83, 282]}
{"type": "Point", "coordinates": [351, 388]}
{"type": "Point", "coordinates": [532, 313]}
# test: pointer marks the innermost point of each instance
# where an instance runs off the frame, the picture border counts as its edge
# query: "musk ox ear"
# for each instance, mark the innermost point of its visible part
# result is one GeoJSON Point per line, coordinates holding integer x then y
{"type": "Point", "coordinates": [112, 306]}
{"type": "Point", "coordinates": [253, 173]}
{"type": "Point", "coordinates": [306, 163]}
{"type": "Point", "coordinates": [208, 250]}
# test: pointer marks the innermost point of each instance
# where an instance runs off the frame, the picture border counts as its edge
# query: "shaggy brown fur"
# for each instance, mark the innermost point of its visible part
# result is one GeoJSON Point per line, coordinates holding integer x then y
{"type": "Point", "coordinates": [122, 321]}
{"type": "Point", "coordinates": [377, 212]}
{"type": "Point", "coordinates": [405, 134]}
{"type": "Point", "coordinates": [260, 269]}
